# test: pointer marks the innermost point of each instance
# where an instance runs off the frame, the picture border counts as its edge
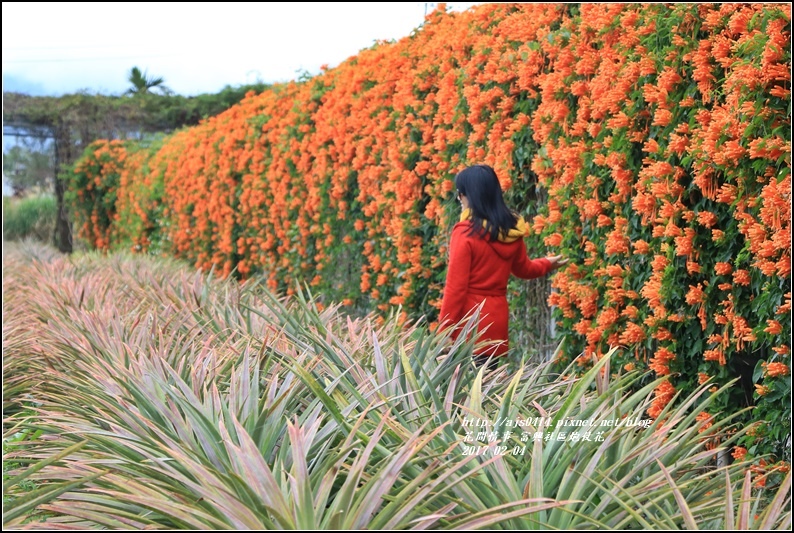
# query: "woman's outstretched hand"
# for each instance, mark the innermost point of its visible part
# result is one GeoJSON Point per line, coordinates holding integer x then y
{"type": "Point", "coordinates": [556, 261]}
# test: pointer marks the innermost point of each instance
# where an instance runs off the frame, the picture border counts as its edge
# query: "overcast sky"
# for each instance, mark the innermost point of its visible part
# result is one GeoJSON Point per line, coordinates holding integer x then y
{"type": "Point", "coordinates": [57, 48]}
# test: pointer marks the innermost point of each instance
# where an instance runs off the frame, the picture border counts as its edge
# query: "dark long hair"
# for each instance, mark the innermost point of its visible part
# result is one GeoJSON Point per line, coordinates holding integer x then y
{"type": "Point", "coordinates": [480, 186]}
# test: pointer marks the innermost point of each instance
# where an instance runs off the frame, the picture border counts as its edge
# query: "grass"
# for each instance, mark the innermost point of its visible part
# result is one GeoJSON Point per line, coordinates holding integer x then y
{"type": "Point", "coordinates": [163, 398]}
{"type": "Point", "coordinates": [32, 217]}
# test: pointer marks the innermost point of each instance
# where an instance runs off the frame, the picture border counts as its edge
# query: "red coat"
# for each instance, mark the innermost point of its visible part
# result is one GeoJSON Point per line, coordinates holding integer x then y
{"type": "Point", "coordinates": [478, 272]}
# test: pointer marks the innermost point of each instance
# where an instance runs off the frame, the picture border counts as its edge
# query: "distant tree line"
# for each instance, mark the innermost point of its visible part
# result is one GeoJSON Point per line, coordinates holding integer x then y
{"type": "Point", "coordinates": [54, 131]}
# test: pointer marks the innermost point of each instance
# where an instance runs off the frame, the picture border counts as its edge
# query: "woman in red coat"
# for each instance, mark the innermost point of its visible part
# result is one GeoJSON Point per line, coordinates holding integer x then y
{"type": "Point", "coordinates": [486, 247]}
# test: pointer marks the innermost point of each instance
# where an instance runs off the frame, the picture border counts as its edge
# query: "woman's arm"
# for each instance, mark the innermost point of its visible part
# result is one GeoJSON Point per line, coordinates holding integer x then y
{"type": "Point", "coordinates": [526, 268]}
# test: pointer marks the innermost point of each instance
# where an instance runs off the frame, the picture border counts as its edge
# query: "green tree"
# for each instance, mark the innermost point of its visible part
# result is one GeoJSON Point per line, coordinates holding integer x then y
{"type": "Point", "coordinates": [143, 84]}
{"type": "Point", "coordinates": [27, 167]}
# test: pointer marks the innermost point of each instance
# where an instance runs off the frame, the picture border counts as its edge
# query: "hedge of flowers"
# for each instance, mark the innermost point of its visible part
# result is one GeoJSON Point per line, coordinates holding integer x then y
{"type": "Point", "coordinates": [650, 143]}
{"type": "Point", "coordinates": [668, 166]}
{"type": "Point", "coordinates": [93, 189]}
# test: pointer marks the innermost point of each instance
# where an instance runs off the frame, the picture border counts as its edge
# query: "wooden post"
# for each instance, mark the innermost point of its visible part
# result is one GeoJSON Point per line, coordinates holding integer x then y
{"type": "Point", "coordinates": [63, 157]}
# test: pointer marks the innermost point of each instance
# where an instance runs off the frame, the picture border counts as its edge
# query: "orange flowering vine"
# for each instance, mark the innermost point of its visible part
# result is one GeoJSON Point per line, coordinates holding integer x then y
{"type": "Point", "coordinates": [650, 137]}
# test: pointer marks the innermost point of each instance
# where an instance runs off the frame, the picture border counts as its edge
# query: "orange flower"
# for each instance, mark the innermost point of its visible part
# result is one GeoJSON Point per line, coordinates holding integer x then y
{"type": "Point", "coordinates": [651, 146]}
{"type": "Point", "coordinates": [660, 361]}
{"type": "Point", "coordinates": [582, 327]}
{"type": "Point", "coordinates": [727, 194]}
{"type": "Point", "coordinates": [632, 335]}
{"type": "Point", "coordinates": [781, 350]}
{"type": "Point", "coordinates": [739, 453]}
{"type": "Point", "coordinates": [692, 267]}
{"type": "Point", "coordinates": [663, 394]}
{"type": "Point", "coordinates": [617, 241]}
{"type": "Point", "coordinates": [776, 369]}
{"type": "Point", "coordinates": [683, 243]}
{"type": "Point", "coordinates": [705, 419]}
{"type": "Point", "coordinates": [723, 269]}
{"type": "Point", "coordinates": [716, 354]}
{"type": "Point", "coordinates": [695, 294]}
{"type": "Point", "coordinates": [773, 327]}
{"type": "Point", "coordinates": [553, 240]}
{"type": "Point", "coordinates": [741, 277]}
{"type": "Point", "coordinates": [707, 219]}
{"type": "Point", "coordinates": [641, 247]}
{"type": "Point", "coordinates": [607, 317]}
{"type": "Point", "coordinates": [603, 221]}
{"type": "Point", "coordinates": [659, 263]}
{"type": "Point", "coordinates": [662, 117]}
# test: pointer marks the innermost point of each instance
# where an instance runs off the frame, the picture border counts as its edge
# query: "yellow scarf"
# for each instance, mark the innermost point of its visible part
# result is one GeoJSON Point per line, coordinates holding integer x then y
{"type": "Point", "coordinates": [520, 231]}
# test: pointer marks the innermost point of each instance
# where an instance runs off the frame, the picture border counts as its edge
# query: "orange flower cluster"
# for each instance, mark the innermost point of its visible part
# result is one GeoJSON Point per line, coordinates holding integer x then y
{"type": "Point", "coordinates": [92, 189]}
{"type": "Point", "coordinates": [723, 269]}
{"type": "Point", "coordinates": [739, 453]}
{"type": "Point", "coordinates": [663, 394]}
{"type": "Point", "coordinates": [760, 473]}
{"type": "Point", "coordinates": [660, 361]}
{"type": "Point", "coordinates": [776, 369]}
{"type": "Point", "coordinates": [695, 294]}
{"type": "Point", "coordinates": [705, 419]}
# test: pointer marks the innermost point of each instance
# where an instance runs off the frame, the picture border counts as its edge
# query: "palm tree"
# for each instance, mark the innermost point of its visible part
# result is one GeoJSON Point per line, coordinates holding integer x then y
{"type": "Point", "coordinates": [142, 84]}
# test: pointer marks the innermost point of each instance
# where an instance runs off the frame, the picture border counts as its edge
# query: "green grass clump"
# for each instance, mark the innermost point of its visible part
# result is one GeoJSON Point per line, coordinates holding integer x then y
{"type": "Point", "coordinates": [32, 217]}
